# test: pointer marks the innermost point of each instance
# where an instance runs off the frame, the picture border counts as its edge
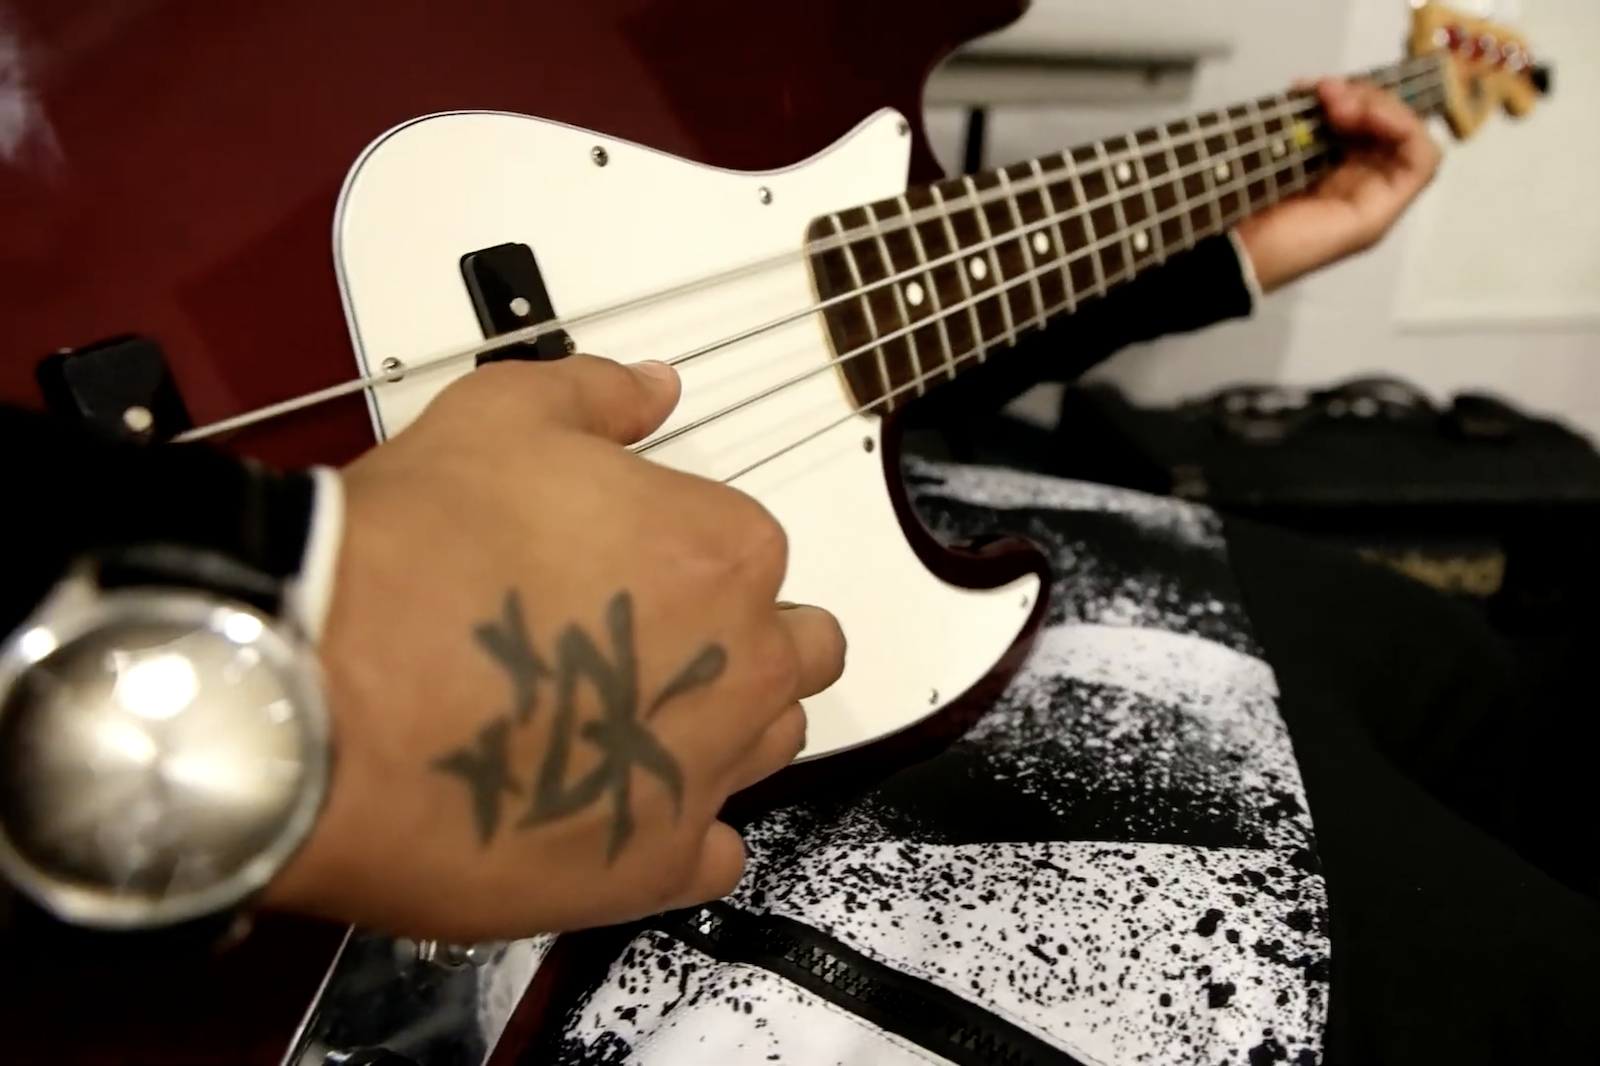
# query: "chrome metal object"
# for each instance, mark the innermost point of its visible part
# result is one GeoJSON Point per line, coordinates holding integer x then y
{"type": "Point", "coordinates": [163, 753]}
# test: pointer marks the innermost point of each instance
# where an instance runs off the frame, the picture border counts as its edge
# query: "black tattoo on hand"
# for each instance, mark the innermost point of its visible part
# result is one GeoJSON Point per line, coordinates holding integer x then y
{"type": "Point", "coordinates": [619, 731]}
{"type": "Point", "coordinates": [487, 771]}
{"type": "Point", "coordinates": [508, 643]}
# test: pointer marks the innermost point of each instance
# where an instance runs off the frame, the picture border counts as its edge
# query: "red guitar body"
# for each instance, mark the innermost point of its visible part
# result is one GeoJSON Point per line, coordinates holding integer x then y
{"type": "Point", "coordinates": [169, 168]}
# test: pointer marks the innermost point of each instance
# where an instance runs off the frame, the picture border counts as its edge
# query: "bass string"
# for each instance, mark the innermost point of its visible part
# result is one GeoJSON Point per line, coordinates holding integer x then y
{"type": "Point", "coordinates": [918, 382]}
{"type": "Point", "coordinates": [359, 384]}
{"type": "Point", "coordinates": [950, 367]}
{"type": "Point", "coordinates": [1077, 212]}
{"type": "Point", "coordinates": [967, 303]}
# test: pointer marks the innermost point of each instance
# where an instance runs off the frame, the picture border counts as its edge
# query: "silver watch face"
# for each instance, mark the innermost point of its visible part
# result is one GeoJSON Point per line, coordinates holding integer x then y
{"type": "Point", "coordinates": [162, 754]}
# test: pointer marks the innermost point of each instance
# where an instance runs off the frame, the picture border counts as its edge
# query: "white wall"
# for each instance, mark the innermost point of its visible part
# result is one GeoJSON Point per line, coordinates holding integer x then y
{"type": "Point", "coordinates": [1349, 320]}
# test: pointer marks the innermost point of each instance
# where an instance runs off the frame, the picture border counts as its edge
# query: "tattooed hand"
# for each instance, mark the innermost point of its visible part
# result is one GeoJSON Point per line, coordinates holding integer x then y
{"type": "Point", "coordinates": [550, 663]}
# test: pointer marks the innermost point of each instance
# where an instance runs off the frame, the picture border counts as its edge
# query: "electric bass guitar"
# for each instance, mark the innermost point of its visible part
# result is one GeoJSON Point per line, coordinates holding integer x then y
{"type": "Point", "coordinates": [284, 229]}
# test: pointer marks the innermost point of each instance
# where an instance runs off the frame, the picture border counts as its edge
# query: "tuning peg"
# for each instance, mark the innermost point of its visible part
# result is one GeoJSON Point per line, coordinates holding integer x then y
{"type": "Point", "coordinates": [1540, 76]}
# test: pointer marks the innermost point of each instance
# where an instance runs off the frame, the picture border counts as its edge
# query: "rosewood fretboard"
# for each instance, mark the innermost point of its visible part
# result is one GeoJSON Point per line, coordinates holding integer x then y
{"type": "Point", "coordinates": [918, 288]}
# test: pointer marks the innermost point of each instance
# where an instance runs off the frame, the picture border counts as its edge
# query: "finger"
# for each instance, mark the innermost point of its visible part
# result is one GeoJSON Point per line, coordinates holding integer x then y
{"type": "Point", "coordinates": [1339, 103]}
{"type": "Point", "coordinates": [718, 870]}
{"type": "Point", "coordinates": [1387, 116]}
{"type": "Point", "coordinates": [1361, 109]}
{"type": "Point", "coordinates": [776, 749]}
{"type": "Point", "coordinates": [1418, 152]}
{"type": "Point", "coordinates": [819, 646]}
{"type": "Point", "coordinates": [583, 392]}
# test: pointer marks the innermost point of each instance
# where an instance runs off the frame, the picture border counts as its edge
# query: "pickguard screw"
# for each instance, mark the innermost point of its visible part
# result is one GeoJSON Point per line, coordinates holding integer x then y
{"type": "Point", "coordinates": [1024, 601]}
{"type": "Point", "coordinates": [903, 127]}
{"type": "Point", "coordinates": [866, 444]}
{"type": "Point", "coordinates": [765, 195]}
{"type": "Point", "coordinates": [570, 345]}
{"type": "Point", "coordinates": [394, 368]}
{"type": "Point", "coordinates": [933, 697]}
{"type": "Point", "coordinates": [599, 155]}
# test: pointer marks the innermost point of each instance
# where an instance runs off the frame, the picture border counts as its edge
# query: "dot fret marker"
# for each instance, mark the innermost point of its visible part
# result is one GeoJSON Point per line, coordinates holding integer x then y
{"type": "Point", "coordinates": [1124, 172]}
{"type": "Point", "coordinates": [1141, 241]}
{"type": "Point", "coordinates": [913, 294]}
{"type": "Point", "coordinates": [978, 268]}
{"type": "Point", "coordinates": [1223, 171]}
{"type": "Point", "coordinates": [1041, 243]}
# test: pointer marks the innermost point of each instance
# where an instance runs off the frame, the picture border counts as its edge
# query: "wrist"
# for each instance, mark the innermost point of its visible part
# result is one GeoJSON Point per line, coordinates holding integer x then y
{"type": "Point", "coordinates": [1261, 258]}
{"type": "Point", "coordinates": [227, 703]}
{"type": "Point", "coordinates": [313, 584]}
{"type": "Point", "coordinates": [1247, 267]}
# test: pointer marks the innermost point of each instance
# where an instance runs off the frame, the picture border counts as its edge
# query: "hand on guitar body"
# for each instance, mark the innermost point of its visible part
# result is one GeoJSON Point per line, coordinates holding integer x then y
{"type": "Point", "coordinates": [1390, 158]}
{"type": "Point", "coordinates": [550, 663]}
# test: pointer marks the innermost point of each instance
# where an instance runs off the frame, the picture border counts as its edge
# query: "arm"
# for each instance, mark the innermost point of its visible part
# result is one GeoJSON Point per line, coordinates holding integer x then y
{"type": "Point", "coordinates": [1390, 159]}
{"type": "Point", "coordinates": [505, 565]}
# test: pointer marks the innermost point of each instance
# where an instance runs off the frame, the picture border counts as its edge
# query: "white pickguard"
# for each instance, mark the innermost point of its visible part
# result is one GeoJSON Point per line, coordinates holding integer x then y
{"type": "Point", "coordinates": [430, 191]}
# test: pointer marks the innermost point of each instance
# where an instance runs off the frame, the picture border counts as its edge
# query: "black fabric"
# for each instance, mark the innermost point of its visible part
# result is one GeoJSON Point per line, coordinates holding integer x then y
{"type": "Point", "coordinates": [68, 493]}
{"type": "Point", "coordinates": [1431, 787]}
{"type": "Point", "coordinates": [915, 1010]}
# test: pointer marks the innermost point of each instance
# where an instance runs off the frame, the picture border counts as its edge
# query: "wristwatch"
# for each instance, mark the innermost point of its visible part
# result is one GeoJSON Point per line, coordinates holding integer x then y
{"type": "Point", "coordinates": [164, 745]}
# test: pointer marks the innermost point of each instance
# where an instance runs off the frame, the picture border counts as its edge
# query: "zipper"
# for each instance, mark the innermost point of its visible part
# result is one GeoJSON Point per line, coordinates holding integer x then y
{"type": "Point", "coordinates": [910, 1007]}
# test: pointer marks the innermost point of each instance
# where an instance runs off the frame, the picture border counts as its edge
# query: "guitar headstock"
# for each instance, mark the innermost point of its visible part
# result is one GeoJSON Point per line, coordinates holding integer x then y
{"type": "Point", "coordinates": [1487, 66]}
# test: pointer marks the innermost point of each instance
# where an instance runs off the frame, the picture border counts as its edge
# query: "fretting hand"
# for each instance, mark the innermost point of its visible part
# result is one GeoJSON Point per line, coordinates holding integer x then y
{"type": "Point", "coordinates": [550, 661]}
{"type": "Point", "coordinates": [1390, 158]}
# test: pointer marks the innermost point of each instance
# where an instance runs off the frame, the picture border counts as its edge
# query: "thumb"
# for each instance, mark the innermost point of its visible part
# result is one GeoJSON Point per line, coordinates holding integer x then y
{"type": "Point", "coordinates": [621, 403]}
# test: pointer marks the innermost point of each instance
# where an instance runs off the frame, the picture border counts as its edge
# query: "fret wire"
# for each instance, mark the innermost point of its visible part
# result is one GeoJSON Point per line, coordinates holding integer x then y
{"type": "Point", "coordinates": [895, 287]}
{"type": "Point", "coordinates": [1295, 152]}
{"type": "Point", "coordinates": [1158, 244]}
{"type": "Point", "coordinates": [1202, 166]}
{"type": "Point", "coordinates": [933, 291]}
{"type": "Point", "coordinates": [861, 409]}
{"type": "Point", "coordinates": [1258, 133]}
{"type": "Point", "coordinates": [1212, 198]}
{"type": "Point", "coordinates": [1304, 107]}
{"type": "Point", "coordinates": [1239, 183]}
{"type": "Point", "coordinates": [1421, 68]}
{"type": "Point", "coordinates": [1083, 213]}
{"type": "Point", "coordinates": [1060, 247]}
{"type": "Point", "coordinates": [994, 261]}
{"type": "Point", "coordinates": [866, 305]}
{"type": "Point", "coordinates": [1081, 253]}
{"type": "Point", "coordinates": [958, 254]}
{"type": "Point", "coordinates": [839, 360]}
{"type": "Point", "coordinates": [970, 302]}
{"type": "Point", "coordinates": [1123, 235]}
{"type": "Point", "coordinates": [1176, 173]}
{"type": "Point", "coordinates": [1026, 246]}
{"type": "Point", "coordinates": [1175, 212]}
{"type": "Point", "coordinates": [1236, 175]}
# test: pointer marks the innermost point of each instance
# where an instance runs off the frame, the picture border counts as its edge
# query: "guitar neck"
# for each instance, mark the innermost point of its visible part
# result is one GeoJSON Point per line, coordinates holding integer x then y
{"type": "Point", "coordinates": [921, 287]}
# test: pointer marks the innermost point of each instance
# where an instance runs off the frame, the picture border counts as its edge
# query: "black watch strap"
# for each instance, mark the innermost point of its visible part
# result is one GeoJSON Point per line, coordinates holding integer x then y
{"type": "Point", "coordinates": [77, 494]}
{"type": "Point", "coordinates": [186, 567]}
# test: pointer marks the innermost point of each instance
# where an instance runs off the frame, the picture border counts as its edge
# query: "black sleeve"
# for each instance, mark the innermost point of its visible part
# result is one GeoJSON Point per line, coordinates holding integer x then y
{"type": "Point", "coordinates": [67, 493]}
{"type": "Point", "coordinates": [1194, 289]}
